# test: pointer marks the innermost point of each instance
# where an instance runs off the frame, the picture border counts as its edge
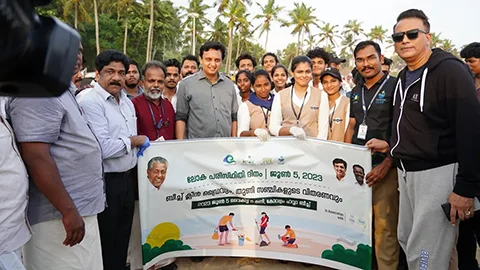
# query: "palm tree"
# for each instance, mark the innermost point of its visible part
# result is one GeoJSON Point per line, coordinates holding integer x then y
{"type": "Point", "coordinates": [354, 28]}
{"type": "Point", "coordinates": [436, 40]}
{"type": "Point", "coordinates": [328, 33]}
{"type": "Point", "coordinates": [377, 33]}
{"type": "Point", "coordinates": [223, 4]}
{"type": "Point", "coordinates": [130, 7]}
{"type": "Point", "coordinates": [243, 30]}
{"type": "Point", "coordinates": [150, 33]}
{"type": "Point", "coordinates": [219, 31]}
{"type": "Point", "coordinates": [310, 41]}
{"type": "Point", "coordinates": [289, 53]}
{"type": "Point", "coordinates": [269, 13]}
{"type": "Point", "coordinates": [447, 45]}
{"type": "Point", "coordinates": [97, 40]}
{"type": "Point", "coordinates": [79, 11]}
{"type": "Point", "coordinates": [302, 19]}
{"type": "Point", "coordinates": [235, 14]}
{"type": "Point", "coordinates": [195, 13]}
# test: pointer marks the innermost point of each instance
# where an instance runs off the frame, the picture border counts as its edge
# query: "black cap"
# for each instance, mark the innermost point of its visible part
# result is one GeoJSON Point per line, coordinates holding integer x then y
{"type": "Point", "coordinates": [335, 59]}
{"type": "Point", "coordinates": [332, 72]}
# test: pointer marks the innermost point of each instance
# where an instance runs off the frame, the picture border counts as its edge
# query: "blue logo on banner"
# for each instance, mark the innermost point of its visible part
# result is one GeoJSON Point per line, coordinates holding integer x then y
{"type": "Point", "coordinates": [229, 160]}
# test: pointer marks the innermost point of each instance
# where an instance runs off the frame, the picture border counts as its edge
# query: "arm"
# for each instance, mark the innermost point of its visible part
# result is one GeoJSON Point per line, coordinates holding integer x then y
{"type": "Point", "coordinates": [36, 123]}
{"type": "Point", "coordinates": [323, 115]}
{"type": "Point", "coordinates": [183, 109]}
{"type": "Point", "coordinates": [379, 172]}
{"type": "Point", "coordinates": [44, 173]}
{"type": "Point", "coordinates": [350, 130]}
{"type": "Point", "coordinates": [111, 147]}
{"type": "Point", "coordinates": [234, 113]}
{"type": "Point", "coordinates": [276, 118]}
{"type": "Point", "coordinates": [244, 121]}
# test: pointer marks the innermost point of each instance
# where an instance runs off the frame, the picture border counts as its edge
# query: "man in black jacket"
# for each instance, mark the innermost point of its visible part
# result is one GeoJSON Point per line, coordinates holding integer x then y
{"type": "Point", "coordinates": [434, 143]}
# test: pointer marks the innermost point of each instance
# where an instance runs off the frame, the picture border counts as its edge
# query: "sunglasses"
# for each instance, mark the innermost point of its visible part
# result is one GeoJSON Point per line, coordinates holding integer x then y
{"type": "Point", "coordinates": [411, 35]}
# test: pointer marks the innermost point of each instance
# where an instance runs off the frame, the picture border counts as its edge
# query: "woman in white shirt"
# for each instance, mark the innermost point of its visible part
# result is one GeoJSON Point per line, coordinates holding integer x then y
{"type": "Point", "coordinates": [339, 105]}
{"type": "Point", "coordinates": [279, 77]}
{"type": "Point", "coordinates": [244, 79]}
{"type": "Point", "coordinates": [296, 110]}
{"type": "Point", "coordinates": [253, 114]}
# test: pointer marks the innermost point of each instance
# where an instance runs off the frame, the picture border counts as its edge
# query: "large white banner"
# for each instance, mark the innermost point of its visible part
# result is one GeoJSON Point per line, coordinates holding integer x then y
{"type": "Point", "coordinates": [287, 199]}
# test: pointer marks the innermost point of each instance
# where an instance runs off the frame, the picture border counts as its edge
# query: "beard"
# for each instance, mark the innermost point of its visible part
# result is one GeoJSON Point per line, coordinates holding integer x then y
{"type": "Point", "coordinates": [153, 96]}
{"type": "Point", "coordinates": [131, 85]}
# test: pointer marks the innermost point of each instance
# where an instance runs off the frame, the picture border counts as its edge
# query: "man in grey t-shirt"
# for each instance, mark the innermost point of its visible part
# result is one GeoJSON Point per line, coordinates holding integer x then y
{"type": "Point", "coordinates": [64, 161]}
{"type": "Point", "coordinates": [206, 101]}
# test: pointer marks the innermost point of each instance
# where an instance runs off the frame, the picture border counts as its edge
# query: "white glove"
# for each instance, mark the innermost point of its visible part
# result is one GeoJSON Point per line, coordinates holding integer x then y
{"type": "Point", "coordinates": [299, 133]}
{"type": "Point", "coordinates": [262, 134]}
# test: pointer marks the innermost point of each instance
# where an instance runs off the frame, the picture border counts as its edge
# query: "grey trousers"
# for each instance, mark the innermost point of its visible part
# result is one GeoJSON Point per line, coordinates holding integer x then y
{"type": "Point", "coordinates": [424, 232]}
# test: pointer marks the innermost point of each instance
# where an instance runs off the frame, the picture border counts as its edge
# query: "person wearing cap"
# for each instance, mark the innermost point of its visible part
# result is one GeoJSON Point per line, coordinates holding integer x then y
{"type": "Point", "coordinates": [371, 116]}
{"type": "Point", "coordinates": [335, 61]}
{"type": "Point", "coordinates": [339, 105]}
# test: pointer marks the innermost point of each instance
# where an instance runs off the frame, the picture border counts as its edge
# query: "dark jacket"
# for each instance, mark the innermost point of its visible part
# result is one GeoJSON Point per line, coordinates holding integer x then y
{"type": "Point", "coordinates": [438, 121]}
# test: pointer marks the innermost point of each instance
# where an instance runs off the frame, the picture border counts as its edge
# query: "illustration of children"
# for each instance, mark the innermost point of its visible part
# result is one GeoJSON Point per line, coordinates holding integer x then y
{"type": "Point", "coordinates": [263, 226]}
{"type": "Point", "coordinates": [223, 228]}
{"type": "Point", "coordinates": [288, 238]}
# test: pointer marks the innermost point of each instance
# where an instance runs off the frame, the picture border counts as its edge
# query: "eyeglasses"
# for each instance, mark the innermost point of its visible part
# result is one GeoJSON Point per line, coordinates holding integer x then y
{"type": "Point", "coordinates": [411, 35]}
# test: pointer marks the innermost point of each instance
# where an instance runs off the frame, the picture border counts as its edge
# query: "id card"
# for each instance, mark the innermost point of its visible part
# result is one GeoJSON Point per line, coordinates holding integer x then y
{"type": "Point", "coordinates": [362, 132]}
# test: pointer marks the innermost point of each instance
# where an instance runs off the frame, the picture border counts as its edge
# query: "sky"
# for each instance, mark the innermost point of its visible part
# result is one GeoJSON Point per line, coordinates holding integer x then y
{"type": "Point", "coordinates": [456, 20]}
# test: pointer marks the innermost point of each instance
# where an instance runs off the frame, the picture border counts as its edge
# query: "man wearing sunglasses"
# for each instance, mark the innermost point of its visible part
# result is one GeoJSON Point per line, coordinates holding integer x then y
{"type": "Point", "coordinates": [434, 143]}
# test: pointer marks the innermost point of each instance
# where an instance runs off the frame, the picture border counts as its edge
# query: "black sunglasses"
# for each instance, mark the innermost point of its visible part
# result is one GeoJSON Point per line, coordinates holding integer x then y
{"type": "Point", "coordinates": [411, 34]}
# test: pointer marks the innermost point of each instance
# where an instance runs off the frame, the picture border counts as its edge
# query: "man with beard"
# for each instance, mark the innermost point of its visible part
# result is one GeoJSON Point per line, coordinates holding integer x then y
{"type": "Point", "coordinates": [155, 115]}
{"type": "Point", "coordinates": [132, 80]}
{"type": "Point", "coordinates": [190, 65]}
{"type": "Point", "coordinates": [111, 115]}
{"type": "Point", "coordinates": [371, 108]}
{"type": "Point", "coordinates": [320, 59]}
{"type": "Point", "coordinates": [171, 81]}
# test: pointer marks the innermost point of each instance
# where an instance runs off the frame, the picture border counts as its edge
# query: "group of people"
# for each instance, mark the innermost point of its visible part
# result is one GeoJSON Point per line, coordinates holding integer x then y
{"type": "Point", "coordinates": [80, 149]}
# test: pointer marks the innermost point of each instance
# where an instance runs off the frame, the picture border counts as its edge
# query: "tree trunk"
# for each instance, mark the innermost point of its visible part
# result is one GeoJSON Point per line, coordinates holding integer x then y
{"type": "Point", "coordinates": [266, 41]}
{"type": "Point", "coordinates": [76, 15]}
{"type": "Point", "coordinates": [298, 41]}
{"type": "Point", "coordinates": [302, 40]}
{"type": "Point", "coordinates": [126, 35]}
{"type": "Point", "coordinates": [150, 33]}
{"type": "Point", "coordinates": [238, 47]}
{"type": "Point", "coordinates": [97, 40]}
{"type": "Point", "coordinates": [230, 47]}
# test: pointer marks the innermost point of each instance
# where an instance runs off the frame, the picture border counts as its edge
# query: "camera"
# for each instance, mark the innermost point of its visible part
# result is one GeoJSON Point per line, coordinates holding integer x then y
{"type": "Point", "coordinates": [37, 53]}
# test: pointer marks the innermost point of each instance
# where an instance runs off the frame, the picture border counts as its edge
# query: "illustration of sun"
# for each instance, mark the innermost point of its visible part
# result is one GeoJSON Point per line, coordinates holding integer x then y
{"type": "Point", "coordinates": [163, 232]}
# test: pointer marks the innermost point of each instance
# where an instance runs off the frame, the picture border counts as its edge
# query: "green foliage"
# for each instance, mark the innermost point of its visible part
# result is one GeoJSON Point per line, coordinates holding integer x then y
{"type": "Point", "coordinates": [361, 258]}
{"type": "Point", "coordinates": [149, 253]}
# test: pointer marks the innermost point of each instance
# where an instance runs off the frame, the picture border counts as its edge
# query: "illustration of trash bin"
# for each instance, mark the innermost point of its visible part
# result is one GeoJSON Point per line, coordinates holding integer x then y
{"type": "Point", "coordinates": [241, 240]}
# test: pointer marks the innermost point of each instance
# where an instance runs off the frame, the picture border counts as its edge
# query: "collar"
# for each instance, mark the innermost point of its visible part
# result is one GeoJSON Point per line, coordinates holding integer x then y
{"type": "Point", "coordinates": [378, 82]}
{"type": "Point", "coordinates": [106, 95]}
{"type": "Point", "coordinates": [72, 88]}
{"type": "Point", "coordinates": [201, 76]}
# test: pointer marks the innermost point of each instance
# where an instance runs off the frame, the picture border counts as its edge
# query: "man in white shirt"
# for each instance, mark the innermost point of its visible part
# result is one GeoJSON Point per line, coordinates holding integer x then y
{"type": "Point", "coordinates": [172, 77]}
{"type": "Point", "coordinates": [340, 167]}
{"type": "Point", "coordinates": [13, 195]}
{"type": "Point", "coordinates": [111, 115]}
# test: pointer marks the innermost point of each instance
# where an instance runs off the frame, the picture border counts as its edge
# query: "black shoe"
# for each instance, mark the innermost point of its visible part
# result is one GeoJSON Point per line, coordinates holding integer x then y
{"type": "Point", "coordinates": [171, 266]}
{"type": "Point", "coordinates": [196, 259]}
{"type": "Point", "coordinates": [307, 264]}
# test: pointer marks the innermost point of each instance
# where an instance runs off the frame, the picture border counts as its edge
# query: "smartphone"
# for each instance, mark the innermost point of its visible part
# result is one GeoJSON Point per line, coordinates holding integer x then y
{"type": "Point", "coordinates": [447, 207]}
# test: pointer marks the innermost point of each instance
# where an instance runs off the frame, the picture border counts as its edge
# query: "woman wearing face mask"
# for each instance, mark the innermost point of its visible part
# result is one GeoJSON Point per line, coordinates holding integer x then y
{"type": "Point", "coordinates": [296, 110]}
{"type": "Point", "coordinates": [339, 105]}
{"type": "Point", "coordinates": [279, 77]}
{"type": "Point", "coordinates": [244, 83]}
{"type": "Point", "coordinates": [253, 114]}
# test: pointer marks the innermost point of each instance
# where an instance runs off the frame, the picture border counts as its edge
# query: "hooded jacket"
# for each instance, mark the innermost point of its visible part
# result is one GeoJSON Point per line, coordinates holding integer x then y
{"type": "Point", "coordinates": [436, 121]}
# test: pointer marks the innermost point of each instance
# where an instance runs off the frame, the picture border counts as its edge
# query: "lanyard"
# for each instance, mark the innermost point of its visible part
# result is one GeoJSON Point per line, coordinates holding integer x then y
{"type": "Point", "coordinates": [160, 123]}
{"type": "Point", "coordinates": [366, 109]}
{"type": "Point", "coordinates": [293, 108]}
{"type": "Point", "coordinates": [330, 120]}
{"type": "Point", "coordinates": [265, 115]}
